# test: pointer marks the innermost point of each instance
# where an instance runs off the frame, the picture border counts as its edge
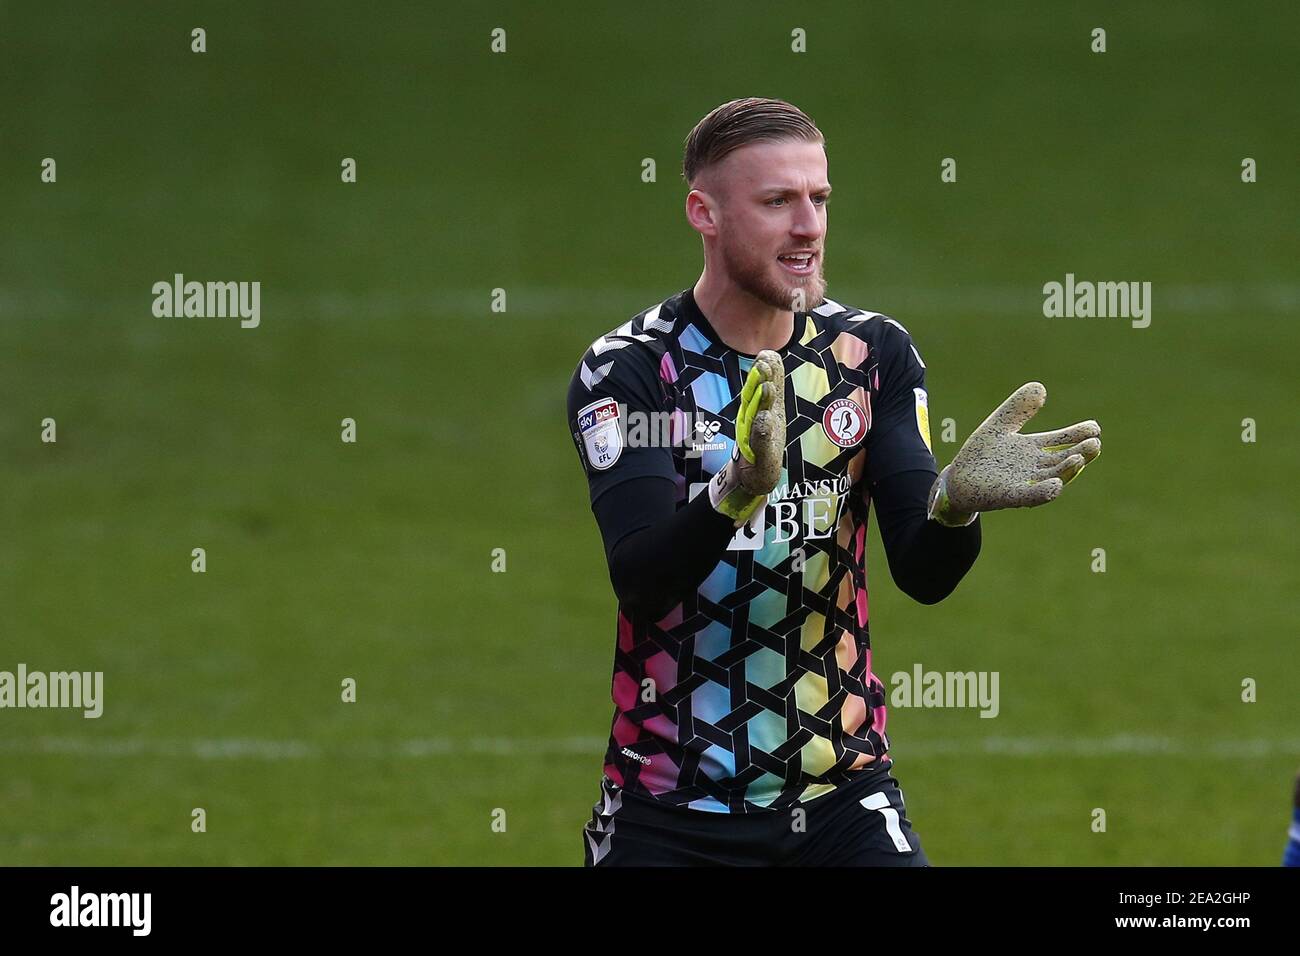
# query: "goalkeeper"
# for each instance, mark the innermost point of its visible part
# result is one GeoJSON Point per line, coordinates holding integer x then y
{"type": "Point", "coordinates": [743, 686]}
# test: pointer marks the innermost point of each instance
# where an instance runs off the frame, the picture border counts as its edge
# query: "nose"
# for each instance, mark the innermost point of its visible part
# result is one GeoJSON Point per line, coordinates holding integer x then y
{"type": "Point", "coordinates": [807, 224]}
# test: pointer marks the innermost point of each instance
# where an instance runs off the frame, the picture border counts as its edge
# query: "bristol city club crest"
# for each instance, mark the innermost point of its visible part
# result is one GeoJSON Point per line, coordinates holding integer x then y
{"type": "Point", "coordinates": [845, 422]}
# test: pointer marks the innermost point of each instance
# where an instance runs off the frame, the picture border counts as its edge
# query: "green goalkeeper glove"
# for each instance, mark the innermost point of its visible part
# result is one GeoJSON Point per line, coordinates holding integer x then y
{"type": "Point", "coordinates": [998, 467]}
{"type": "Point", "coordinates": [740, 488]}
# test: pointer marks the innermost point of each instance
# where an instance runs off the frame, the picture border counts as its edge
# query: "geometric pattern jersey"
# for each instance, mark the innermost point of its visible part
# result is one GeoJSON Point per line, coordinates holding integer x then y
{"type": "Point", "coordinates": [757, 690]}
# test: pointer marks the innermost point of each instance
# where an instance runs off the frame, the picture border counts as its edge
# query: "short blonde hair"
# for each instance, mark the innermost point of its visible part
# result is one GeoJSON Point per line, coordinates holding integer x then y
{"type": "Point", "coordinates": [739, 123]}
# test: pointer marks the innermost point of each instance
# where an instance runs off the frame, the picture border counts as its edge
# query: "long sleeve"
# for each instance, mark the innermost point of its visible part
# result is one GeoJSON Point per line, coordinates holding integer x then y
{"type": "Point", "coordinates": [926, 559]}
{"type": "Point", "coordinates": [657, 554]}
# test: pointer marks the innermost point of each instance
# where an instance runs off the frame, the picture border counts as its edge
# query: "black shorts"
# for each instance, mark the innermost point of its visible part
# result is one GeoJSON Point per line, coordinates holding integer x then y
{"type": "Point", "coordinates": [860, 823]}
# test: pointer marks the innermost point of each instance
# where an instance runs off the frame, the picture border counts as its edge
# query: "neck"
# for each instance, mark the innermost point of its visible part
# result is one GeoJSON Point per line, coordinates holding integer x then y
{"type": "Point", "coordinates": [743, 322]}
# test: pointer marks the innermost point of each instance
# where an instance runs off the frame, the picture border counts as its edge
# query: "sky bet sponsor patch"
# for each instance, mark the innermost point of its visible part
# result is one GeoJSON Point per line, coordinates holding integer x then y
{"type": "Point", "coordinates": [602, 439]}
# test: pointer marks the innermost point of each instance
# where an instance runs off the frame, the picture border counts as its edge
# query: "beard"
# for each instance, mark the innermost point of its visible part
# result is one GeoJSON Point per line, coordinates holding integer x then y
{"type": "Point", "coordinates": [767, 282]}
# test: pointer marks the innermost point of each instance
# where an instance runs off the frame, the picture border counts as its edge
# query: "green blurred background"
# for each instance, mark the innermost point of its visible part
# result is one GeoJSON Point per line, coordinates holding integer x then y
{"type": "Point", "coordinates": [479, 690]}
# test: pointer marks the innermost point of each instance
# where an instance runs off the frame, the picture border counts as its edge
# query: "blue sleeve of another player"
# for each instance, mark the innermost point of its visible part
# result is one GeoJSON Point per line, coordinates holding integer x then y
{"type": "Point", "coordinates": [1292, 855]}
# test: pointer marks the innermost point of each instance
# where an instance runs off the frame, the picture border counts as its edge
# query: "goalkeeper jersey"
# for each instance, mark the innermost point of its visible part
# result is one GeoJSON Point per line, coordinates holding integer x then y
{"type": "Point", "coordinates": [756, 691]}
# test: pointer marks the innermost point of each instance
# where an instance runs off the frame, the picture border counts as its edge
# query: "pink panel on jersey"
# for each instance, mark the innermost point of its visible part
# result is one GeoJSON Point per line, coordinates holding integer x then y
{"type": "Point", "coordinates": [859, 555]}
{"type": "Point", "coordinates": [679, 427]}
{"type": "Point", "coordinates": [662, 669]}
{"type": "Point", "coordinates": [671, 619]}
{"type": "Point", "coordinates": [849, 350]}
{"type": "Point", "coordinates": [625, 691]}
{"type": "Point", "coordinates": [662, 726]}
{"type": "Point", "coordinates": [625, 732]}
{"type": "Point", "coordinates": [667, 371]}
{"type": "Point", "coordinates": [657, 776]}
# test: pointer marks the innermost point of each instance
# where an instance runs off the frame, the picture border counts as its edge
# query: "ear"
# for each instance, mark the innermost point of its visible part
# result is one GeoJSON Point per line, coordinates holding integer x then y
{"type": "Point", "coordinates": [701, 212]}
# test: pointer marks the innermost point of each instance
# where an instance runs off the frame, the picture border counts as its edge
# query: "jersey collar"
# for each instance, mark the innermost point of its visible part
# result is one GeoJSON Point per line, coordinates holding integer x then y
{"type": "Point", "coordinates": [690, 310]}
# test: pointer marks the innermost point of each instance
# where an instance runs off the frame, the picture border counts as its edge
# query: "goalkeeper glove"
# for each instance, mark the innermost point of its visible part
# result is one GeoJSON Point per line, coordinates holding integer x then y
{"type": "Point", "coordinates": [998, 467]}
{"type": "Point", "coordinates": [741, 487]}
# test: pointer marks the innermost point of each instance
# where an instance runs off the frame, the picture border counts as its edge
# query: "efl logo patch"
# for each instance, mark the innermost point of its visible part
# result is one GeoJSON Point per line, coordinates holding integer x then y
{"type": "Point", "coordinates": [601, 436]}
{"type": "Point", "coordinates": [923, 416]}
{"type": "Point", "coordinates": [845, 422]}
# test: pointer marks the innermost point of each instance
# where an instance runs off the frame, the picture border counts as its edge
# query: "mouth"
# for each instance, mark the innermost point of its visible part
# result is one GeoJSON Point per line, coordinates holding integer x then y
{"type": "Point", "coordinates": [799, 263]}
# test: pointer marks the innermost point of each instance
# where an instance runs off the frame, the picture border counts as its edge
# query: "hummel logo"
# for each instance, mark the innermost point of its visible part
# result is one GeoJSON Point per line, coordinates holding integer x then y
{"type": "Point", "coordinates": [707, 429]}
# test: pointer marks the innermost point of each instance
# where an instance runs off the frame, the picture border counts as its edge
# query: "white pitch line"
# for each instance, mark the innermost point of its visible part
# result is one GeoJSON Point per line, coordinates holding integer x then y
{"type": "Point", "coordinates": [244, 748]}
{"type": "Point", "coordinates": [257, 749]}
{"type": "Point", "coordinates": [1011, 300]}
{"type": "Point", "coordinates": [1118, 745]}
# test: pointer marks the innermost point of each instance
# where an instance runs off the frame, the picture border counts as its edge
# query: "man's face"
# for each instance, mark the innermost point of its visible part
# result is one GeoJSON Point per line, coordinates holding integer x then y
{"type": "Point", "coordinates": [771, 221]}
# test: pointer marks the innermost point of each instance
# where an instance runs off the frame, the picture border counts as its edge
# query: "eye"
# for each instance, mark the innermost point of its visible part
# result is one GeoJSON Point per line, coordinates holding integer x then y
{"type": "Point", "coordinates": [824, 198]}
{"type": "Point", "coordinates": [776, 200]}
